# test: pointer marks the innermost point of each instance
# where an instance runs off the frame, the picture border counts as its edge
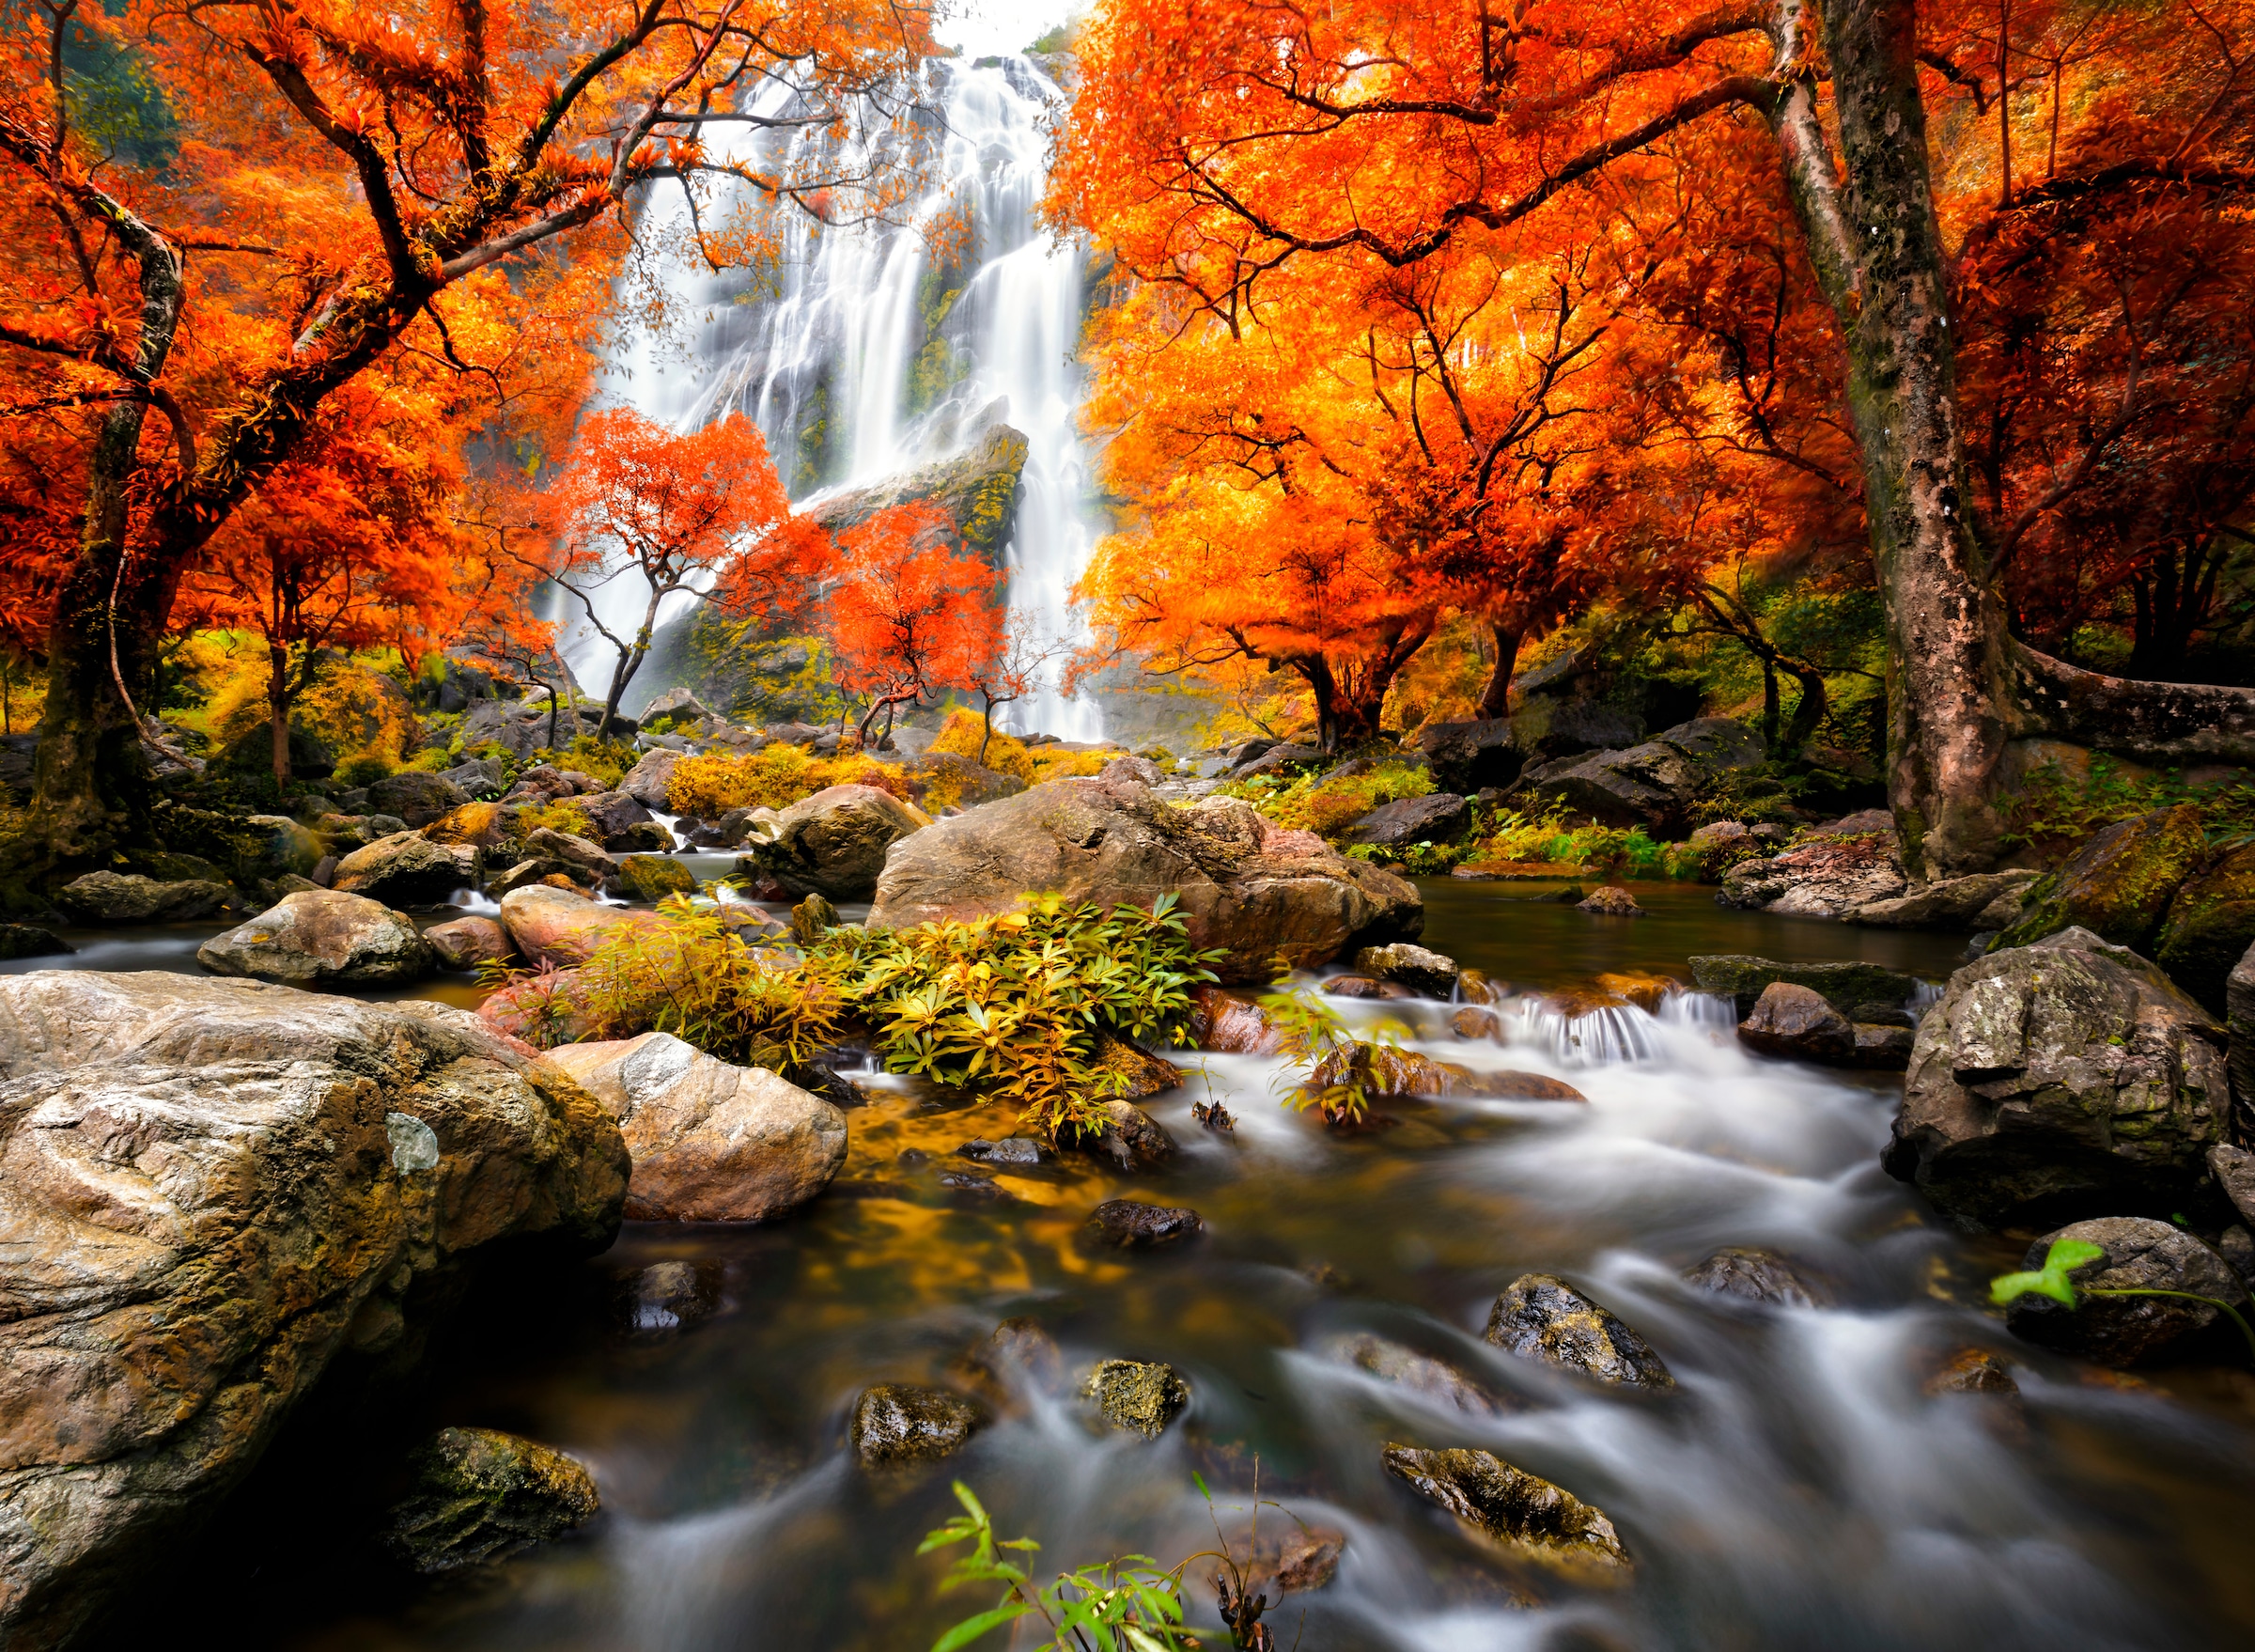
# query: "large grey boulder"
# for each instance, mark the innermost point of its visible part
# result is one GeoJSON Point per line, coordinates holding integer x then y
{"type": "Point", "coordinates": [407, 869]}
{"type": "Point", "coordinates": [1860, 991]}
{"type": "Point", "coordinates": [976, 489]}
{"type": "Point", "coordinates": [212, 1189]}
{"type": "Point", "coordinates": [1245, 886]}
{"type": "Point", "coordinates": [1827, 876]}
{"type": "Point", "coordinates": [646, 782]}
{"type": "Point", "coordinates": [114, 897]}
{"type": "Point", "coordinates": [2140, 1253]}
{"type": "Point", "coordinates": [1436, 817]}
{"type": "Point", "coordinates": [2059, 1080]}
{"type": "Point", "coordinates": [1979, 900]}
{"type": "Point", "coordinates": [479, 777]}
{"type": "Point", "coordinates": [1654, 784]}
{"type": "Point", "coordinates": [834, 843]}
{"type": "Point", "coordinates": [321, 938]}
{"type": "Point", "coordinates": [415, 796]}
{"type": "Point", "coordinates": [711, 1142]}
{"type": "Point", "coordinates": [1468, 755]}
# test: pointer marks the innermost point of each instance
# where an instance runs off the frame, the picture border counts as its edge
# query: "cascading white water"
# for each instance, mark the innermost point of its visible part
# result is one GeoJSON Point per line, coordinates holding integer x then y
{"type": "Point", "coordinates": [854, 374]}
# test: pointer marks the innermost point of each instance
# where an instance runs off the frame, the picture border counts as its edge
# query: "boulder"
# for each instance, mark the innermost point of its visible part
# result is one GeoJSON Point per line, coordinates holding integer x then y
{"type": "Point", "coordinates": [1364, 987]}
{"type": "Point", "coordinates": [1246, 887]}
{"type": "Point", "coordinates": [319, 938]}
{"type": "Point", "coordinates": [1822, 877]}
{"type": "Point", "coordinates": [978, 489]}
{"type": "Point", "coordinates": [613, 816]}
{"type": "Point", "coordinates": [211, 1187]}
{"type": "Point", "coordinates": [1546, 728]}
{"type": "Point", "coordinates": [1756, 1275]}
{"type": "Point", "coordinates": [2239, 1007]}
{"type": "Point", "coordinates": [678, 703]}
{"type": "Point", "coordinates": [2118, 885]}
{"type": "Point", "coordinates": [835, 843]}
{"type": "Point", "coordinates": [1136, 1397]}
{"type": "Point", "coordinates": [946, 777]}
{"type": "Point", "coordinates": [647, 781]}
{"type": "Point", "coordinates": [483, 826]}
{"type": "Point", "coordinates": [1130, 1138]}
{"type": "Point", "coordinates": [2139, 1255]}
{"type": "Point", "coordinates": [1436, 817]}
{"type": "Point", "coordinates": [1390, 1073]}
{"type": "Point", "coordinates": [407, 869]}
{"type": "Point", "coordinates": [464, 943]}
{"type": "Point", "coordinates": [114, 897]}
{"type": "Point", "coordinates": [2059, 1080]}
{"type": "Point", "coordinates": [1423, 971]}
{"type": "Point", "coordinates": [555, 928]}
{"type": "Point", "coordinates": [2210, 927]}
{"type": "Point", "coordinates": [652, 878]}
{"type": "Point", "coordinates": [1021, 1151]}
{"type": "Point", "coordinates": [1227, 1024]}
{"type": "Point", "coordinates": [1467, 756]}
{"type": "Point", "coordinates": [1540, 1316]}
{"type": "Point", "coordinates": [540, 870]}
{"type": "Point", "coordinates": [479, 777]}
{"type": "Point", "coordinates": [26, 941]}
{"type": "Point", "coordinates": [583, 855]}
{"type": "Point", "coordinates": [1130, 1224]}
{"type": "Point", "coordinates": [1511, 1506]}
{"type": "Point", "coordinates": [899, 1423]}
{"type": "Point", "coordinates": [1796, 1022]}
{"type": "Point", "coordinates": [482, 1495]}
{"type": "Point", "coordinates": [2234, 1171]}
{"type": "Point", "coordinates": [1278, 761]}
{"type": "Point", "coordinates": [1858, 990]}
{"type": "Point", "coordinates": [1982, 900]}
{"type": "Point", "coordinates": [1609, 901]}
{"type": "Point", "coordinates": [711, 1142]}
{"type": "Point", "coordinates": [1654, 785]}
{"type": "Point", "coordinates": [417, 798]}
{"type": "Point", "coordinates": [1431, 1380]}
{"type": "Point", "coordinates": [542, 1010]}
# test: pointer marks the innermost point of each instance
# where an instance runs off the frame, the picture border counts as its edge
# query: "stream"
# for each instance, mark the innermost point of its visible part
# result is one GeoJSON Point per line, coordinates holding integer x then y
{"type": "Point", "coordinates": [1799, 1490]}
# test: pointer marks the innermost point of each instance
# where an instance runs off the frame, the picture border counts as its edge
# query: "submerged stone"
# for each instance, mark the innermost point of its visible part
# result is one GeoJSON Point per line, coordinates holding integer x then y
{"type": "Point", "coordinates": [1540, 1316]}
{"type": "Point", "coordinates": [1130, 1224]}
{"type": "Point", "coordinates": [484, 1495]}
{"type": "Point", "coordinates": [1756, 1275]}
{"type": "Point", "coordinates": [896, 1423]}
{"type": "Point", "coordinates": [1511, 1505]}
{"type": "Point", "coordinates": [1421, 1375]}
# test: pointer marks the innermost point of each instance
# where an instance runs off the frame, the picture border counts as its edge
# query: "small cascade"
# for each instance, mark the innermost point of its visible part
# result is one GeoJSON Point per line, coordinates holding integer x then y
{"type": "Point", "coordinates": [1715, 1012]}
{"type": "Point", "coordinates": [1596, 1038]}
{"type": "Point", "coordinates": [1923, 997]}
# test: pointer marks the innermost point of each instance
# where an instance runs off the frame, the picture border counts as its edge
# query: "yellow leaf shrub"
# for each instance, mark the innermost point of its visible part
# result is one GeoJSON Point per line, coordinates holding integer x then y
{"type": "Point", "coordinates": [1005, 754]}
{"type": "Point", "coordinates": [709, 786]}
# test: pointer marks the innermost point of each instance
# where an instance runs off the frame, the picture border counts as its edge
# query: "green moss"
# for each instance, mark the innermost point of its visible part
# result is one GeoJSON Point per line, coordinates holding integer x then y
{"type": "Point", "coordinates": [2211, 924]}
{"type": "Point", "coordinates": [2119, 885]}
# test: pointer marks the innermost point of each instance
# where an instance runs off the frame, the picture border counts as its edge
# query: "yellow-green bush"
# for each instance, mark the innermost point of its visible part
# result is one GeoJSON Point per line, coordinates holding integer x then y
{"type": "Point", "coordinates": [1326, 808]}
{"type": "Point", "coordinates": [365, 769]}
{"type": "Point", "coordinates": [1005, 754]}
{"type": "Point", "coordinates": [775, 777]}
{"type": "Point", "coordinates": [560, 815]}
{"type": "Point", "coordinates": [1052, 764]}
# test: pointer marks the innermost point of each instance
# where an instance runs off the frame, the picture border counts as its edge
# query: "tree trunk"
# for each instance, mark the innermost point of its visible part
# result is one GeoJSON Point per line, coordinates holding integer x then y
{"type": "Point", "coordinates": [1808, 712]}
{"type": "Point", "coordinates": [277, 704]}
{"type": "Point", "coordinates": [1495, 700]}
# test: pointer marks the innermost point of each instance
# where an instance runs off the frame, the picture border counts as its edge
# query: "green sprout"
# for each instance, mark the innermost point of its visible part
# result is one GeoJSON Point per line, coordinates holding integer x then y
{"type": "Point", "coordinates": [2054, 1280]}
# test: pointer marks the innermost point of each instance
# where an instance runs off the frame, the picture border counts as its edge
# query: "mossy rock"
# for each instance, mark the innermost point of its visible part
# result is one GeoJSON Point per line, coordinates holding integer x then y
{"type": "Point", "coordinates": [1136, 1398]}
{"type": "Point", "coordinates": [482, 1495]}
{"type": "Point", "coordinates": [1849, 987]}
{"type": "Point", "coordinates": [652, 878]}
{"type": "Point", "coordinates": [2118, 884]}
{"type": "Point", "coordinates": [2210, 927]}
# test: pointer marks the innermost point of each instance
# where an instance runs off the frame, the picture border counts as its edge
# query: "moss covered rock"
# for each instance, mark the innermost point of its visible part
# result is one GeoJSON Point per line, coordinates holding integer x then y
{"type": "Point", "coordinates": [1849, 987]}
{"type": "Point", "coordinates": [653, 877]}
{"type": "Point", "coordinates": [2211, 924]}
{"type": "Point", "coordinates": [1510, 1505]}
{"type": "Point", "coordinates": [484, 1495]}
{"type": "Point", "coordinates": [897, 1422]}
{"type": "Point", "coordinates": [1136, 1397]}
{"type": "Point", "coordinates": [2118, 885]}
{"type": "Point", "coordinates": [1540, 1316]}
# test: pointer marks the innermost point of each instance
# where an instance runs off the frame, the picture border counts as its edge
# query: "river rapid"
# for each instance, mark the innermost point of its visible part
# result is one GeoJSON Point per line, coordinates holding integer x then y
{"type": "Point", "coordinates": [1801, 1488]}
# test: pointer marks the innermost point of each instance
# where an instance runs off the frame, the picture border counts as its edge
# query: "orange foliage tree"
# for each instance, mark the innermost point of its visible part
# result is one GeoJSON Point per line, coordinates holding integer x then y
{"type": "Point", "coordinates": [910, 614]}
{"type": "Point", "coordinates": [701, 517]}
{"type": "Point", "coordinates": [298, 194]}
{"type": "Point", "coordinates": [1218, 144]}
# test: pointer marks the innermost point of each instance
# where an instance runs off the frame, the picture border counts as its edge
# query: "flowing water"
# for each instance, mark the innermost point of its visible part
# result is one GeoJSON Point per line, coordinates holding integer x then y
{"type": "Point", "coordinates": [1800, 1490]}
{"type": "Point", "coordinates": [874, 350]}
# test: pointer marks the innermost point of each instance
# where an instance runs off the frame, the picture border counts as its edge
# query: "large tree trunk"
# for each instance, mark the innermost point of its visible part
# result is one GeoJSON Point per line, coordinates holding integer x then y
{"type": "Point", "coordinates": [1495, 700]}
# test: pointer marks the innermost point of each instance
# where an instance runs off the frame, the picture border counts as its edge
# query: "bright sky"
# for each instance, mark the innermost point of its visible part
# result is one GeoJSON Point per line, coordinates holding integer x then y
{"type": "Point", "coordinates": [980, 29]}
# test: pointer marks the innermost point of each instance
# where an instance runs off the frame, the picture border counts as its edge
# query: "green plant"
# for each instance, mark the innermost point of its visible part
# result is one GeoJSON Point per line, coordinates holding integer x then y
{"type": "Point", "coordinates": [562, 814]}
{"type": "Point", "coordinates": [1337, 1064]}
{"type": "Point", "coordinates": [2055, 1280]}
{"type": "Point", "coordinates": [365, 769]}
{"type": "Point", "coordinates": [2053, 803]}
{"type": "Point", "coordinates": [1120, 1605]}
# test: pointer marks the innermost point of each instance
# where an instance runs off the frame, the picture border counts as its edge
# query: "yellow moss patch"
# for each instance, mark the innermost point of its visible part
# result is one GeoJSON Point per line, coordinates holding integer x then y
{"type": "Point", "coordinates": [776, 777]}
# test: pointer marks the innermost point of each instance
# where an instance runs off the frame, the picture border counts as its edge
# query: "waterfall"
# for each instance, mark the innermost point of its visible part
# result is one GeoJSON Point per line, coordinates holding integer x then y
{"type": "Point", "coordinates": [870, 350]}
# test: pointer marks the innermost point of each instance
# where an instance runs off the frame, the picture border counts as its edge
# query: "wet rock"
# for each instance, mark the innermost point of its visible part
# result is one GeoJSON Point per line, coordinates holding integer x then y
{"type": "Point", "coordinates": [1404, 1073]}
{"type": "Point", "coordinates": [1309, 1559]}
{"type": "Point", "coordinates": [1421, 1375]}
{"type": "Point", "coordinates": [1130, 1138]}
{"type": "Point", "coordinates": [1421, 970]}
{"type": "Point", "coordinates": [209, 1178]}
{"type": "Point", "coordinates": [1510, 1505]}
{"type": "Point", "coordinates": [588, 861]}
{"type": "Point", "coordinates": [811, 918]}
{"type": "Point", "coordinates": [1228, 1024]}
{"type": "Point", "coordinates": [1612, 901]}
{"type": "Point", "coordinates": [2210, 927]}
{"type": "Point", "coordinates": [976, 1185]}
{"type": "Point", "coordinates": [1136, 1398]}
{"type": "Point", "coordinates": [1132, 1072]}
{"type": "Point", "coordinates": [835, 843]}
{"type": "Point", "coordinates": [1824, 877]}
{"type": "Point", "coordinates": [1023, 1152]}
{"type": "Point", "coordinates": [1849, 987]}
{"type": "Point", "coordinates": [1364, 987]}
{"type": "Point", "coordinates": [711, 1142]}
{"type": "Point", "coordinates": [1974, 902]}
{"type": "Point", "coordinates": [1796, 1022]}
{"type": "Point", "coordinates": [613, 816]}
{"type": "Point", "coordinates": [1540, 1316]}
{"type": "Point", "coordinates": [1130, 1224]}
{"type": "Point", "coordinates": [464, 943]}
{"type": "Point", "coordinates": [542, 869]}
{"type": "Point", "coordinates": [2055, 1079]}
{"type": "Point", "coordinates": [560, 928]}
{"type": "Point", "coordinates": [480, 825]}
{"type": "Point", "coordinates": [114, 897]}
{"type": "Point", "coordinates": [321, 938]}
{"type": "Point", "coordinates": [898, 1423]}
{"type": "Point", "coordinates": [1973, 1370]}
{"type": "Point", "coordinates": [673, 1296]}
{"type": "Point", "coordinates": [25, 941]}
{"type": "Point", "coordinates": [1883, 1047]}
{"type": "Point", "coordinates": [1246, 887]}
{"type": "Point", "coordinates": [417, 798]}
{"type": "Point", "coordinates": [2239, 1002]}
{"type": "Point", "coordinates": [2140, 1253]}
{"type": "Point", "coordinates": [1436, 817]}
{"type": "Point", "coordinates": [1476, 1022]}
{"type": "Point", "coordinates": [1757, 1275]}
{"type": "Point", "coordinates": [652, 878]}
{"type": "Point", "coordinates": [2118, 885]}
{"type": "Point", "coordinates": [405, 869]}
{"type": "Point", "coordinates": [483, 1495]}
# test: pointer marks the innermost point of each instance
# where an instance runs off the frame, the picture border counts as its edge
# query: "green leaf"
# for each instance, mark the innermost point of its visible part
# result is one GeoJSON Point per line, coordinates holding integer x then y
{"type": "Point", "coordinates": [1199, 1480]}
{"type": "Point", "coordinates": [970, 1628]}
{"type": "Point", "coordinates": [2053, 1279]}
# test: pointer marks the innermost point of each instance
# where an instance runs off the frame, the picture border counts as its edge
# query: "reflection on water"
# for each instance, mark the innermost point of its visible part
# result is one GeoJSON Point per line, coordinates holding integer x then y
{"type": "Point", "coordinates": [1800, 1490]}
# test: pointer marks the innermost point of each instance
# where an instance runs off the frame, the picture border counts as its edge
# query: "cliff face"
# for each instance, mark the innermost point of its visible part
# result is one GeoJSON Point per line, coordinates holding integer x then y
{"type": "Point", "coordinates": [978, 489]}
